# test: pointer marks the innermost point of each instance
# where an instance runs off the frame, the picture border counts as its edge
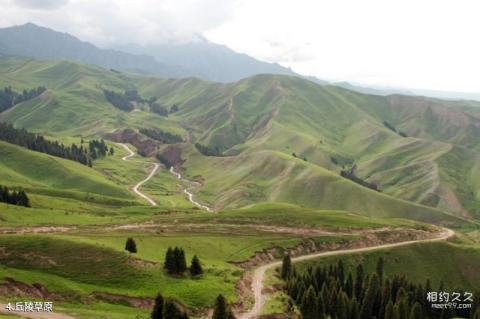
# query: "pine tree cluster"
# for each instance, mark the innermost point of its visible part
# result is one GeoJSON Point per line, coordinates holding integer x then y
{"type": "Point", "coordinates": [158, 109]}
{"type": "Point", "coordinates": [167, 309]}
{"type": "Point", "coordinates": [175, 263]}
{"type": "Point", "coordinates": [329, 292]}
{"type": "Point", "coordinates": [97, 149]}
{"type": "Point", "coordinates": [125, 102]}
{"type": "Point", "coordinates": [164, 160]}
{"type": "Point", "coordinates": [162, 136]}
{"type": "Point", "coordinates": [18, 198]}
{"type": "Point", "coordinates": [350, 174]}
{"type": "Point", "coordinates": [208, 150]}
{"type": "Point", "coordinates": [38, 143]}
{"type": "Point", "coordinates": [8, 97]}
{"type": "Point", "coordinates": [119, 100]}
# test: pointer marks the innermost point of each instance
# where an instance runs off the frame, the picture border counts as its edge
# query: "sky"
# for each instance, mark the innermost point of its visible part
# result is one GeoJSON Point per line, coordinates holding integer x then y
{"type": "Point", "coordinates": [424, 44]}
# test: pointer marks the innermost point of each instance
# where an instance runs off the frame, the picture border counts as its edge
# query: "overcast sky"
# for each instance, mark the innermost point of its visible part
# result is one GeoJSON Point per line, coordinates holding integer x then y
{"type": "Point", "coordinates": [429, 44]}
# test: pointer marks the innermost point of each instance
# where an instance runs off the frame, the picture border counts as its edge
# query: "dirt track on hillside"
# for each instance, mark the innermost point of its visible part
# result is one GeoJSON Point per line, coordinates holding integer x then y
{"type": "Point", "coordinates": [259, 274]}
{"type": "Point", "coordinates": [137, 186]}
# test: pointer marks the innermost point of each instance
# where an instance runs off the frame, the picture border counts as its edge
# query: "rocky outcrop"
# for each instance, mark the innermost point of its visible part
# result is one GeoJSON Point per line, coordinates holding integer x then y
{"type": "Point", "coordinates": [12, 287]}
{"type": "Point", "coordinates": [145, 146]}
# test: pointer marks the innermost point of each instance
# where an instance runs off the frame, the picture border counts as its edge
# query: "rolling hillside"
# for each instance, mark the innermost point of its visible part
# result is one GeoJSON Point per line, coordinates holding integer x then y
{"type": "Point", "coordinates": [286, 139]}
{"type": "Point", "coordinates": [23, 168]}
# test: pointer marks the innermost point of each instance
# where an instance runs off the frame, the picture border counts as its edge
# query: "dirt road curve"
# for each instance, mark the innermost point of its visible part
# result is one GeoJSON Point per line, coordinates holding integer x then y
{"type": "Point", "coordinates": [35, 315]}
{"type": "Point", "coordinates": [152, 173]}
{"type": "Point", "coordinates": [188, 193]}
{"type": "Point", "coordinates": [259, 274]}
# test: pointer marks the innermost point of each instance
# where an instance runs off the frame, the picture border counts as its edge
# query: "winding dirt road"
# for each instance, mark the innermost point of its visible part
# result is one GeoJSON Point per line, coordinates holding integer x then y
{"type": "Point", "coordinates": [188, 193]}
{"type": "Point", "coordinates": [152, 173]}
{"type": "Point", "coordinates": [259, 274]}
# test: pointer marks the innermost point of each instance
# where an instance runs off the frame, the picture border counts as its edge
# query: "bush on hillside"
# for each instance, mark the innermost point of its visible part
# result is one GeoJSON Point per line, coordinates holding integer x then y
{"type": "Point", "coordinates": [158, 109]}
{"type": "Point", "coordinates": [208, 150]}
{"type": "Point", "coordinates": [119, 100]}
{"type": "Point", "coordinates": [131, 246]}
{"type": "Point", "coordinates": [162, 136]}
{"type": "Point", "coordinates": [11, 197]}
{"type": "Point", "coordinates": [350, 174]}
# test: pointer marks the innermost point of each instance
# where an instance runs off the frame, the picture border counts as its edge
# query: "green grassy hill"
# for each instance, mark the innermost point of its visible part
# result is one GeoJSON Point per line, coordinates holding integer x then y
{"type": "Point", "coordinates": [74, 103]}
{"type": "Point", "coordinates": [24, 168]}
{"type": "Point", "coordinates": [291, 115]}
{"type": "Point", "coordinates": [269, 176]}
{"type": "Point", "coordinates": [261, 121]}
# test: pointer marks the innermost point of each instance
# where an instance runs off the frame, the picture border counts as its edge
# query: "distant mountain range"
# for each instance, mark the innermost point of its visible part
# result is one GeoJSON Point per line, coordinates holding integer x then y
{"type": "Point", "coordinates": [199, 58]}
{"type": "Point", "coordinates": [384, 91]}
{"type": "Point", "coordinates": [30, 40]}
{"type": "Point", "coordinates": [208, 60]}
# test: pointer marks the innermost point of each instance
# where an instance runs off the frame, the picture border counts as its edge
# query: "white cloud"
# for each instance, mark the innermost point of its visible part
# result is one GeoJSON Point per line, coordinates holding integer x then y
{"type": "Point", "coordinates": [106, 22]}
{"type": "Point", "coordinates": [424, 44]}
{"type": "Point", "coordinates": [40, 4]}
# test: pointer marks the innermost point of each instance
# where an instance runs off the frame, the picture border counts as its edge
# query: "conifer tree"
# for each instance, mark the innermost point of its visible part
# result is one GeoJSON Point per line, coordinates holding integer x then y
{"type": "Point", "coordinates": [476, 315]}
{"type": "Point", "coordinates": [286, 267]}
{"type": "Point", "coordinates": [359, 282]}
{"type": "Point", "coordinates": [416, 311]}
{"type": "Point", "coordinates": [385, 298]}
{"type": "Point", "coordinates": [389, 310]}
{"type": "Point", "coordinates": [354, 309]}
{"type": "Point", "coordinates": [342, 306]}
{"type": "Point", "coordinates": [196, 267]}
{"type": "Point", "coordinates": [402, 309]}
{"type": "Point", "coordinates": [131, 246]}
{"type": "Point", "coordinates": [369, 299]}
{"type": "Point", "coordinates": [172, 311]}
{"type": "Point", "coordinates": [157, 312]}
{"type": "Point", "coordinates": [341, 272]}
{"type": "Point", "coordinates": [396, 312]}
{"type": "Point", "coordinates": [321, 309]}
{"type": "Point", "coordinates": [169, 263]}
{"type": "Point", "coordinates": [308, 306]}
{"type": "Point", "coordinates": [349, 286]}
{"type": "Point", "coordinates": [221, 309]}
{"type": "Point", "coordinates": [380, 266]}
{"type": "Point", "coordinates": [18, 198]}
{"type": "Point", "coordinates": [180, 261]}
{"type": "Point", "coordinates": [332, 301]}
{"type": "Point", "coordinates": [401, 294]}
